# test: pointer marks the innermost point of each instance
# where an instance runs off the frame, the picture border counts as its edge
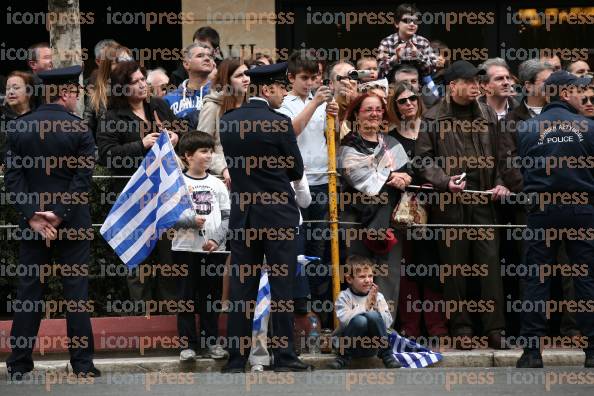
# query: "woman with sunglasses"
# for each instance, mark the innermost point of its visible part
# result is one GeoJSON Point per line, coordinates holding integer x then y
{"type": "Point", "coordinates": [405, 110]}
{"type": "Point", "coordinates": [374, 170]}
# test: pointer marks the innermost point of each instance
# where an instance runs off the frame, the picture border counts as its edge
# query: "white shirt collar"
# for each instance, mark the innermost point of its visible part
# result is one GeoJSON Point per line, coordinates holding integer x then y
{"type": "Point", "coordinates": [258, 98]}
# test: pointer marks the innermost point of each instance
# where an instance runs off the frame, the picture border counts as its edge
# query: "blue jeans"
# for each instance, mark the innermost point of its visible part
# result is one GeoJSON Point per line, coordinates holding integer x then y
{"type": "Point", "coordinates": [368, 326]}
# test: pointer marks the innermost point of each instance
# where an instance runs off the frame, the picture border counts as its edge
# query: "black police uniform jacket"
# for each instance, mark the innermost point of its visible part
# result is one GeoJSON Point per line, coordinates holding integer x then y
{"type": "Point", "coordinates": [262, 158]}
{"type": "Point", "coordinates": [558, 134]}
{"type": "Point", "coordinates": [50, 157]}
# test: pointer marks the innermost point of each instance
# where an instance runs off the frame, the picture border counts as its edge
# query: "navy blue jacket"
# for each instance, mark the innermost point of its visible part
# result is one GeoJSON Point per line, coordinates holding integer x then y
{"type": "Point", "coordinates": [563, 139]}
{"type": "Point", "coordinates": [50, 161]}
{"type": "Point", "coordinates": [263, 158]}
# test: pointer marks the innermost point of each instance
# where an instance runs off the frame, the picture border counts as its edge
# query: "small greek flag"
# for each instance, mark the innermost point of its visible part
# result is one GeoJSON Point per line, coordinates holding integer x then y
{"type": "Point", "coordinates": [430, 84]}
{"type": "Point", "coordinates": [412, 355]}
{"type": "Point", "coordinates": [262, 312]}
{"type": "Point", "coordinates": [302, 261]}
{"type": "Point", "coordinates": [152, 201]}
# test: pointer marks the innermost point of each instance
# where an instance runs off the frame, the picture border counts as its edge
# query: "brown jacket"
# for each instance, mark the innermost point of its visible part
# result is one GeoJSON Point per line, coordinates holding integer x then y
{"type": "Point", "coordinates": [441, 139]}
{"type": "Point", "coordinates": [508, 147]}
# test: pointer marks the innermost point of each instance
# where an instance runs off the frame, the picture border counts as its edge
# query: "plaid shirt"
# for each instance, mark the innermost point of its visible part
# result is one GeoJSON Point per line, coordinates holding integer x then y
{"type": "Point", "coordinates": [423, 58]}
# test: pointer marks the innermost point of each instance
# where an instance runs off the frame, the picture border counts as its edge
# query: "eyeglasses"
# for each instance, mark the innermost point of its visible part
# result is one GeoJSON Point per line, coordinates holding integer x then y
{"type": "Point", "coordinates": [411, 98]}
{"type": "Point", "coordinates": [409, 20]}
{"type": "Point", "coordinates": [587, 99]}
{"type": "Point", "coordinates": [370, 110]}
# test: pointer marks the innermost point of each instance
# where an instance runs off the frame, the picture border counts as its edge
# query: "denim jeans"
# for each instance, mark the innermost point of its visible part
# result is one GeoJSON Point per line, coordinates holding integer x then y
{"type": "Point", "coordinates": [368, 326]}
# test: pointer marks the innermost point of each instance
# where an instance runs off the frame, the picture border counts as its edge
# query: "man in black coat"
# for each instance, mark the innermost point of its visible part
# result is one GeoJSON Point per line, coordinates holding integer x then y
{"type": "Point", "coordinates": [263, 159]}
{"type": "Point", "coordinates": [50, 161]}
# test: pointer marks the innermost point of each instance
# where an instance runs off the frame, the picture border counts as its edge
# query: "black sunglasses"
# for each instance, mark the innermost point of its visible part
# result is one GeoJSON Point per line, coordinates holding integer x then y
{"type": "Point", "coordinates": [412, 98]}
{"type": "Point", "coordinates": [408, 20]}
{"type": "Point", "coordinates": [587, 99]}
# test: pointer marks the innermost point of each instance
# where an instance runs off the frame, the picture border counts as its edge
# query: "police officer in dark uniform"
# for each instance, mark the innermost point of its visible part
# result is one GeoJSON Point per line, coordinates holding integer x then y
{"type": "Point", "coordinates": [50, 161]}
{"type": "Point", "coordinates": [263, 158]}
{"type": "Point", "coordinates": [558, 135]}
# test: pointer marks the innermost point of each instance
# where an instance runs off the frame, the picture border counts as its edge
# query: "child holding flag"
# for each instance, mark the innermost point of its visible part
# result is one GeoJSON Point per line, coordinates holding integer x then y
{"type": "Point", "coordinates": [200, 235]}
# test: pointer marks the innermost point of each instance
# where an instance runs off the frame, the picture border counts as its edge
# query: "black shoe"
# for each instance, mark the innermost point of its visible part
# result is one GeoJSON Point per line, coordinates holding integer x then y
{"type": "Point", "coordinates": [531, 358]}
{"type": "Point", "coordinates": [391, 362]}
{"type": "Point", "coordinates": [294, 365]}
{"type": "Point", "coordinates": [589, 363]}
{"type": "Point", "coordinates": [340, 363]}
{"type": "Point", "coordinates": [17, 376]}
{"type": "Point", "coordinates": [497, 340]}
{"type": "Point", "coordinates": [92, 373]}
{"type": "Point", "coordinates": [234, 367]}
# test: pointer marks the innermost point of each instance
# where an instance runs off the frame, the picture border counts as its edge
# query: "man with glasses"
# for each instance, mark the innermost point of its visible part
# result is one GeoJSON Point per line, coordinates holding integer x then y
{"type": "Point", "coordinates": [405, 46]}
{"type": "Point", "coordinates": [587, 107]}
{"type": "Point", "coordinates": [458, 137]}
{"type": "Point", "coordinates": [54, 210]}
{"type": "Point", "coordinates": [564, 139]}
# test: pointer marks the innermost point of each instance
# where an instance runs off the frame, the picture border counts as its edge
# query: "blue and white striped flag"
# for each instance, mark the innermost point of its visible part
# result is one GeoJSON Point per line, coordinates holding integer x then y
{"type": "Point", "coordinates": [262, 311]}
{"type": "Point", "coordinates": [412, 355]}
{"type": "Point", "coordinates": [152, 201]}
{"type": "Point", "coordinates": [302, 261]}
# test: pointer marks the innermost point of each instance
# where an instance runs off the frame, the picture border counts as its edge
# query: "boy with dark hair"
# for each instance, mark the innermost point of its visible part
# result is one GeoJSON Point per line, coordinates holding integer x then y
{"type": "Point", "coordinates": [200, 235]}
{"type": "Point", "coordinates": [363, 315]}
{"type": "Point", "coordinates": [405, 46]}
{"type": "Point", "coordinates": [307, 110]}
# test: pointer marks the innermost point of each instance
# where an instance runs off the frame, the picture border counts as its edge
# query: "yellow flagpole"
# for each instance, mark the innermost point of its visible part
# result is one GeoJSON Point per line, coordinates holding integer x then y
{"type": "Point", "coordinates": [333, 208]}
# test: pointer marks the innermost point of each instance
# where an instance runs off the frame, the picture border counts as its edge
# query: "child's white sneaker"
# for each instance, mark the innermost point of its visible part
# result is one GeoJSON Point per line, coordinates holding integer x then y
{"type": "Point", "coordinates": [217, 352]}
{"type": "Point", "coordinates": [257, 368]}
{"type": "Point", "coordinates": [187, 354]}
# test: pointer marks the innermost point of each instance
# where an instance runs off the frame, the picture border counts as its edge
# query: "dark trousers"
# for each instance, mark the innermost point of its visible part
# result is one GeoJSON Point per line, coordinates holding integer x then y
{"type": "Point", "coordinates": [368, 326]}
{"type": "Point", "coordinates": [534, 321]}
{"type": "Point", "coordinates": [473, 252]}
{"type": "Point", "coordinates": [246, 264]}
{"type": "Point", "coordinates": [202, 286]}
{"type": "Point", "coordinates": [26, 321]}
{"type": "Point", "coordinates": [316, 244]}
{"type": "Point", "coordinates": [156, 287]}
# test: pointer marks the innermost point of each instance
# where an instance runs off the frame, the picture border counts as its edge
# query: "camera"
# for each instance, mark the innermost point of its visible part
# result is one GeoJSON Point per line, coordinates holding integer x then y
{"type": "Point", "coordinates": [355, 75]}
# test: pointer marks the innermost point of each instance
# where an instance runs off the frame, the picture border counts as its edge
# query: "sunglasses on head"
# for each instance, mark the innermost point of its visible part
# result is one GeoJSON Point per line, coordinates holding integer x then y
{"type": "Point", "coordinates": [412, 98]}
{"type": "Point", "coordinates": [587, 99]}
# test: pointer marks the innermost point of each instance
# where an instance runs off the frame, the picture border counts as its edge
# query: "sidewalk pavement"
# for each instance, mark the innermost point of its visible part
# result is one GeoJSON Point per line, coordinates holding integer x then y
{"type": "Point", "coordinates": [171, 364]}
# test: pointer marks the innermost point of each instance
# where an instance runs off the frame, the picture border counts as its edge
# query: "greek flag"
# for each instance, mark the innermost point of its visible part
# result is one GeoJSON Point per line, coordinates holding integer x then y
{"type": "Point", "coordinates": [430, 84]}
{"type": "Point", "coordinates": [412, 355]}
{"type": "Point", "coordinates": [302, 261]}
{"type": "Point", "coordinates": [262, 311]}
{"type": "Point", "coordinates": [151, 202]}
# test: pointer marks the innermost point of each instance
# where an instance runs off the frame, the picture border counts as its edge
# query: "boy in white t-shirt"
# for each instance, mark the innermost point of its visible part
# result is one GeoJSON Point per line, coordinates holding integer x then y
{"type": "Point", "coordinates": [201, 233]}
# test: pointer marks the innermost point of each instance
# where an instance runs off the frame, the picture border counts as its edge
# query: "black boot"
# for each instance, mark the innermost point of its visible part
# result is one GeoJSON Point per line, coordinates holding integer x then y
{"type": "Point", "coordinates": [531, 358]}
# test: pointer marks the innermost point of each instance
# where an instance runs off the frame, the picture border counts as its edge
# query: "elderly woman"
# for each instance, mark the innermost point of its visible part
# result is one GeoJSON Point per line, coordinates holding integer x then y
{"type": "Point", "coordinates": [374, 169]}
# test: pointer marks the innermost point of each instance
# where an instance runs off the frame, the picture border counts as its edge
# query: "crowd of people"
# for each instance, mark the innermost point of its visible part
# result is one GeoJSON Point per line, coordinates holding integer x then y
{"type": "Point", "coordinates": [408, 122]}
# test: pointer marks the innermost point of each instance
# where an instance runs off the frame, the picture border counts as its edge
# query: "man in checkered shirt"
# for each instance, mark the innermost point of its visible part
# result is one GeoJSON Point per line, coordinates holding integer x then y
{"type": "Point", "coordinates": [405, 46]}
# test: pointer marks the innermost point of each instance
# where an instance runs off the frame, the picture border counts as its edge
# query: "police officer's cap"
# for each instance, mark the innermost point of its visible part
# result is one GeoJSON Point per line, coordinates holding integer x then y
{"type": "Point", "coordinates": [63, 75]}
{"type": "Point", "coordinates": [461, 69]}
{"type": "Point", "coordinates": [562, 78]}
{"type": "Point", "coordinates": [268, 74]}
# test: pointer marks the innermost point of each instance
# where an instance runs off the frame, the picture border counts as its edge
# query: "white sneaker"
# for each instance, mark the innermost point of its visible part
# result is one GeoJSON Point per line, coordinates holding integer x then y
{"type": "Point", "coordinates": [257, 368]}
{"type": "Point", "coordinates": [187, 355]}
{"type": "Point", "coordinates": [217, 352]}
